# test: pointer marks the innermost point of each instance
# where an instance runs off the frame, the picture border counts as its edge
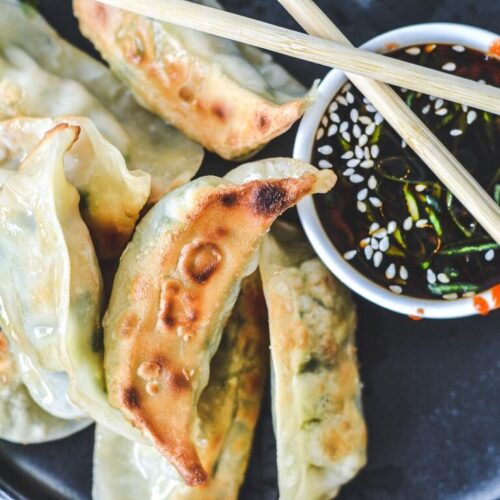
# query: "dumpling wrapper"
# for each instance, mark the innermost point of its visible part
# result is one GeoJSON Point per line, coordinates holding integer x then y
{"type": "Point", "coordinates": [111, 197]}
{"type": "Point", "coordinates": [43, 75]}
{"type": "Point", "coordinates": [21, 419]}
{"type": "Point", "coordinates": [51, 287]}
{"type": "Point", "coordinates": [319, 425]}
{"type": "Point", "coordinates": [229, 97]}
{"type": "Point", "coordinates": [228, 411]}
{"type": "Point", "coordinates": [176, 285]}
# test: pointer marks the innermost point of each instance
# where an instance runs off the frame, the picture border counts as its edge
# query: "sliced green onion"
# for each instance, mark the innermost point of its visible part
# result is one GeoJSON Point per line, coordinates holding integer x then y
{"type": "Point", "coordinates": [411, 203]}
{"type": "Point", "coordinates": [445, 288]}
{"type": "Point", "coordinates": [469, 248]}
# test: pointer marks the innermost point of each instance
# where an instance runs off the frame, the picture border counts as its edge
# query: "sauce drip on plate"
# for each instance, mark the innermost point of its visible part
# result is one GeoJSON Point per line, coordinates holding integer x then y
{"type": "Point", "coordinates": [389, 216]}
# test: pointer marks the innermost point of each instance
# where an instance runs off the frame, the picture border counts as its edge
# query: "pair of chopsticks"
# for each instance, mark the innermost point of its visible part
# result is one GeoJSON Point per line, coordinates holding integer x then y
{"type": "Point", "coordinates": [329, 47]}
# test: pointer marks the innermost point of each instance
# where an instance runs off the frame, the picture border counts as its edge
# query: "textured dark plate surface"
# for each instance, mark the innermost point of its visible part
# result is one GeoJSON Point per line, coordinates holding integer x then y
{"type": "Point", "coordinates": [432, 388]}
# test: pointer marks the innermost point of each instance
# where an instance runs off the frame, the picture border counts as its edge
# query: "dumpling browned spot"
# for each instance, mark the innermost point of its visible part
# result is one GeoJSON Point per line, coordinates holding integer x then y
{"type": "Point", "coordinates": [192, 249]}
{"type": "Point", "coordinates": [221, 95]}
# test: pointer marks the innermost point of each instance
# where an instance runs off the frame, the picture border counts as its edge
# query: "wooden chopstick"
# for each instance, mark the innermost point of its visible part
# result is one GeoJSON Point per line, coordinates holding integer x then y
{"type": "Point", "coordinates": [317, 50]}
{"type": "Point", "coordinates": [414, 132]}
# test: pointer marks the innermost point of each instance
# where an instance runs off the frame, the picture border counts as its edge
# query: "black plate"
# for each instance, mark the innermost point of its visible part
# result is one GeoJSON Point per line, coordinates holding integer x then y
{"type": "Point", "coordinates": [431, 392]}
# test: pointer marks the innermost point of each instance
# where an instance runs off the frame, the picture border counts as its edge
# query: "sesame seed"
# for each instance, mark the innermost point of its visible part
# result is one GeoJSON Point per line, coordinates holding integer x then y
{"type": "Point", "coordinates": [354, 115]}
{"type": "Point", "coordinates": [324, 164]}
{"type": "Point", "coordinates": [358, 151]}
{"type": "Point", "coordinates": [458, 48]}
{"type": "Point", "coordinates": [320, 133]}
{"type": "Point", "coordinates": [370, 108]}
{"type": "Point", "coordinates": [378, 118]}
{"type": "Point", "coordinates": [442, 111]}
{"type": "Point", "coordinates": [374, 226]}
{"type": "Point", "coordinates": [468, 294]}
{"type": "Point", "coordinates": [356, 131]}
{"type": "Point", "coordinates": [471, 117]}
{"type": "Point", "coordinates": [370, 129]}
{"type": "Point", "coordinates": [403, 144]}
{"type": "Point", "coordinates": [449, 66]}
{"type": "Point", "coordinates": [333, 107]}
{"type": "Point", "coordinates": [380, 233]}
{"type": "Point", "coordinates": [374, 243]}
{"type": "Point", "coordinates": [367, 152]}
{"type": "Point", "coordinates": [450, 296]}
{"type": "Point", "coordinates": [375, 151]}
{"type": "Point", "coordinates": [372, 182]}
{"type": "Point", "coordinates": [348, 172]}
{"type": "Point", "coordinates": [346, 87]}
{"type": "Point", "coordinates": [364, 242]}
{"type": "Point", "coordinates": [362, 194]}
{"type": "Point", "coordinates": [432, 98]}
{"type": "Point", "coordinates": [391, 227]}
{"type": "Point", "coordinates": [426, 109]}
{"type": "Point", "coordinates": [421, 223]}
{"type": "Point", "coordinates": [324, 121]}
{"type": "Point", "coordinates": [332, 130]}
{"type": "Point", "coordinates": [363, 140]}
{"type": "Point", "coordinates": [456, 132]}
{"type": "Point", "coordinates": [366, 101]}
{"type": "Point", "coordinates": [403, 273]}
{"type": "Point", "coordinates": [384, 244]}
{"type": "Point", "coordinates": [430, 47]}
{"type": "Point", "coordinates": [368, 252]}
{"type": "Point", "coordinates": [403, 90]}
{"type": "Point", "coordinates": [413, 51]}
{"type": "Point", "coordinates": [346, 136]}
{"type": "Point", "coordinates": [407, 223]}
{"type": "Point", "coordinates": [347, 155]}
{"type": "Point", "coordinates": [390, 272]}
{"type": "Point", "coordinates": [377, 259]}
{"type": "Point", "coordinates": [443, 278]}
{"type": "Point", "coordinates": [439, 103]}
{"type": "Point", "coordinates": [396, 289]}
{"type": "Point", "coordinates": [361, 206]}
{"type": "Point", "coordinates": [356, 178]}
{"type": "Point", "coordinates": [350, 254]}
{"type": "Point", "coordinates": [341, 100]}
{"type": "Point", "coordinates": [350, 98]}
{"type": "Point", "coordinates": [325, 150]}
{"type": "Point", "coordinates": [489, 255]}
{"type": "Point", "coordinates": [367, 164]}
{"type": "Point", "coordinates": [420, 187]}
{"type": "Point", "coordinates": [365, 120]}
{"type": "Point", "coordinates": [375, 202]}
{"type": "Point", "coordinates": [431, 276]}
{"type": "Point", "coordinates": [343, 126]}
{"type": "Point", "coordinates": [335, 118]}
{"type": "Point", "coordinates": [354, 162]}
{"type": "Point", "coordinates": [465, 108]}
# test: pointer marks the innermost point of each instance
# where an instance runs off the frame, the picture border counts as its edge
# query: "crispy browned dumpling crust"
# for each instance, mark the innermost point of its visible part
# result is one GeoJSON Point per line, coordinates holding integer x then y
{"type": "Point", "coordinates": [186, 90]}
{"type": "Point", "coordinates": [167, 299]}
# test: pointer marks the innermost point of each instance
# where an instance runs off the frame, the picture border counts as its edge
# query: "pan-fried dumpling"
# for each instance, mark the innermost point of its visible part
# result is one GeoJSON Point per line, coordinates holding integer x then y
{"type": "Point", "coordinates": [43, 75]}
{"type": "Point", "coordinates": [176, 284]}
{"type": "Point", "coordinates": [21, 419]}
{"type": "Point", "coordinates": [111, 197]}
{"type": "Point", "coordinates": [50, 287]}
{"type": "Point", "coordinates": [227, 414]}
{"type": "Point", "coordinates": [319, 425]}
{"type": "Point", "coordinates": [230, 98]}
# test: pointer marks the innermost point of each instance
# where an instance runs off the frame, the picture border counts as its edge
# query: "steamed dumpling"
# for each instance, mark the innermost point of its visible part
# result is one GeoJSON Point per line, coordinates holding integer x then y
{"type": "Point", "coordinates": [227, 414]}
{"type": "Point", "coordinates": [111, 197]}
{"type": "Point", "coordinates": [177, 282]}
{"type": "Point", "coordinates": [231, 98]}
{"type": "Point", "coordinates": [51, 286]}
{"type": "Point", "coordinates": [21, 419]}
{"type": "Point", "coordinates": [42, 75]}
{"type": "Point", "coordinates": [319, 425]}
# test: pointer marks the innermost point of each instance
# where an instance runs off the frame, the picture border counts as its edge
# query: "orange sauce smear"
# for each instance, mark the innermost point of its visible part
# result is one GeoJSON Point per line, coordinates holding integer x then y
{"type": "Point", "coordinates": [494, 50]}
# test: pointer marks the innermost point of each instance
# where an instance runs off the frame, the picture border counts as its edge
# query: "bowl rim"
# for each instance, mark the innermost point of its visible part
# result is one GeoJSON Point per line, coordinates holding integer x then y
{"type": "Point", "coordinates": [415, 307]}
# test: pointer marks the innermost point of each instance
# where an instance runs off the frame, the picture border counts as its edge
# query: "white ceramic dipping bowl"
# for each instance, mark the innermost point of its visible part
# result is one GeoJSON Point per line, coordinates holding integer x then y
{"type": "Point", "coordinates": [446, 33]}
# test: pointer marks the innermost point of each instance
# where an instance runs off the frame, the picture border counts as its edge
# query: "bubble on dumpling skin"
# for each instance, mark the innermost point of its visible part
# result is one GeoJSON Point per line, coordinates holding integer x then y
{"type": "Point", "coordinates": [199, 260]}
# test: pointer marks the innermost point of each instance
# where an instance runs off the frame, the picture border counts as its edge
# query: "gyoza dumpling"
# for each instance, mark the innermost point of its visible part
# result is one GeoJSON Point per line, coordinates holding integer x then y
{"type": "Point", "coordinates": [227, 414]}
{"type": "Point", "coordinates": [111, 197]}
{"type": "Point", "coordinates": [319, 425]}
{"type": "Point", "coordinates": [43, 75]}
{"type": "Point", "coordinates": [21, 419]}
{"type": "Point", "coordinates": [50, 286]}
{"type": "Point", "coordinates": [177, 282]}
{"type": "Point", "coordinates": [231, 98]}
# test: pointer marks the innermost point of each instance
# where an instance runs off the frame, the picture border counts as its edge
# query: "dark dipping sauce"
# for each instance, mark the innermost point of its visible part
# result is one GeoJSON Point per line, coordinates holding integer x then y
{"type": "Point", "coordinates": [388, 214]}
